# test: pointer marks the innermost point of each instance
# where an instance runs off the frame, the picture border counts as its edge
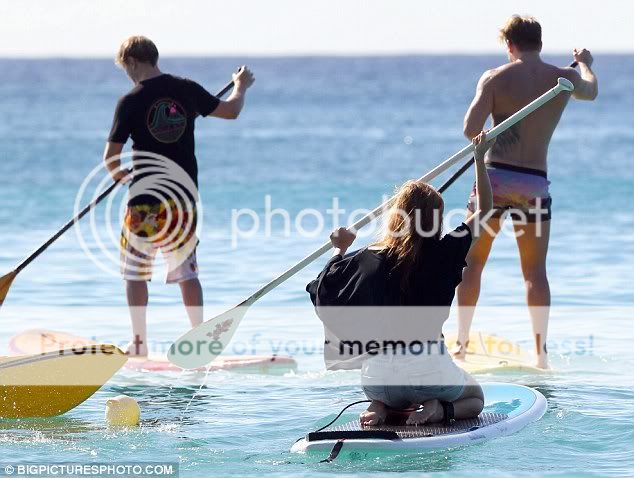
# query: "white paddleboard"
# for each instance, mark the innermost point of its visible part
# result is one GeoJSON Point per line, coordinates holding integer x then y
{"type": "Point", "coordinates": [39, 341]}
{"type": "Point", "coordinates": [508, 409]}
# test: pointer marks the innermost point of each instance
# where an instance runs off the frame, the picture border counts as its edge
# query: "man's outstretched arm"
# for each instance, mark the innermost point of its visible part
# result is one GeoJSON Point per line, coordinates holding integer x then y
{"type": "Point", "coordinates": [231, 108]}
{"type": "Point", "coordinates": [586, 84]}
{"type": "Point", "coordinates": [481, 107]}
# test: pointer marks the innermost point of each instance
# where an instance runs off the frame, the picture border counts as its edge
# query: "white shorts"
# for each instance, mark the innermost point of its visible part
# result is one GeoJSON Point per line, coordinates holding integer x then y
{"type": "Point", "coordinates": [424, 370]}
{"type": "Point", "coordinates": [179, 269]}
{"type": "Point", "coordinates": [401, 382]}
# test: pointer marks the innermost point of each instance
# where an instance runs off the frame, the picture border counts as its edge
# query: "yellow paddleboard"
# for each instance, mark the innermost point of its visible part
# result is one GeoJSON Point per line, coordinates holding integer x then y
{"type": "Point", "coordinates": [493, 354]}
{"type": "Point", "coordinates": [49, 384]}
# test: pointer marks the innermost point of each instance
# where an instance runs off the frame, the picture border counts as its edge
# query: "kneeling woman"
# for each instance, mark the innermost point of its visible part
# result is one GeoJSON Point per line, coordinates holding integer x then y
{"type": "Point", "coordinates": [412, 266]}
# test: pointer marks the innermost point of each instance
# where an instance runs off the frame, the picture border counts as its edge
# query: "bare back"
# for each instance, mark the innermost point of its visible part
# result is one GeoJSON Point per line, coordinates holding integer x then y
{"type": "Point", "coordinates": [513, 86]}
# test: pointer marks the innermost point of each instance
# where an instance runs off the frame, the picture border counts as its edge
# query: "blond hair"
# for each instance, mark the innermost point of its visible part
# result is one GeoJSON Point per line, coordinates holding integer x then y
{"type": "Point", "coordinates": [138, 47]}
{"type": "Point", "coordinates": [525, 33]}
{"type": "Point", "coordinates": [415, 216]}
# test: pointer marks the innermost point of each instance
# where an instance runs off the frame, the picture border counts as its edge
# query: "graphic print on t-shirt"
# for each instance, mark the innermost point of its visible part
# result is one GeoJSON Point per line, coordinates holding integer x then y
{"type": "Point", "coordinates": [166, 120]}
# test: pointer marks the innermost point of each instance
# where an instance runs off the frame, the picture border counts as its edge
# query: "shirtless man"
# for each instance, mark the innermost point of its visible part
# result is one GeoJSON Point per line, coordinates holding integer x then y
{"type": "Point", "coordinates": [517, 166]}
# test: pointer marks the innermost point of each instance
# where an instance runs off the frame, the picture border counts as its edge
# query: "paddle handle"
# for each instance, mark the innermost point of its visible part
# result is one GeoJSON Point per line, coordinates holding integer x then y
{"type": "Point", "coordinates": [466, 166]}
{"type": "Point", "coordinates": [87, 208]}
{"type": "Point", "coordinates": [224, 89]}
{"type": "Point", "coordinates": [562, 85]}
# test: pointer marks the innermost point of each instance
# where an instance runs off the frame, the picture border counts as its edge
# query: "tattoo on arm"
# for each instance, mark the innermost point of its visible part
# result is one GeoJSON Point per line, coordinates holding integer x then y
{"type": "Point", "coordinates": [508, 139]}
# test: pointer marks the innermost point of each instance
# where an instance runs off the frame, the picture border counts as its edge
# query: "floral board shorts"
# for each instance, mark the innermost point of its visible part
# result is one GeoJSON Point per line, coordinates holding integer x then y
{"type": "Point", "coordinates": [168, 227]}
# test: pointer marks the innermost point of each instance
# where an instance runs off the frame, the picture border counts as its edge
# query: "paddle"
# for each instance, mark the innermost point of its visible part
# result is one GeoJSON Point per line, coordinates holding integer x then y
{"type": "Point", "coordinates": [7, 279]}
{"type": "Point", "coordinates": [205, 342]}
{"type": "Point", "coordinates": [468, 164]}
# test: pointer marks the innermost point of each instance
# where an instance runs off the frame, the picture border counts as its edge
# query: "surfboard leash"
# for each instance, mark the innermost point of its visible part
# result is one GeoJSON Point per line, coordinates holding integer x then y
{"type": "Point", "coordinates": [341, 413]}
{"type": "Point", "coordinates": [336, 449]}
{"type": "Point", "coordinates": [334, 453]}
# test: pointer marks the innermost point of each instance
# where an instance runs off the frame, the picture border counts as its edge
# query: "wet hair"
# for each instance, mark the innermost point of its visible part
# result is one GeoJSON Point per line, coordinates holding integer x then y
{"type": "Point", "coordinates": [414, 219]}
{"type": "Point", "coordinates": [138, 47]}
{"type": "Point", "coordinates": [525, 33]}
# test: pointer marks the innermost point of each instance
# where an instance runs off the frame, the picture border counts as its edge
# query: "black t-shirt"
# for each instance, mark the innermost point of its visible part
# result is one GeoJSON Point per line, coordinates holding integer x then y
{"type": "Point", "coordinates": [368, 281]}
{"type": "Point", "coordinates": [159, 114]}
{"type": "Point", "coordinates": [368, 277]}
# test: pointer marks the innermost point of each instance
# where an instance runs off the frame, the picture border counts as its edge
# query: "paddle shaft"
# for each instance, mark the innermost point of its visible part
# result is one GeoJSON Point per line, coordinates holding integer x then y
{"type": "Point", "coordinates": [455, 176]}
{"type": "Point", "coordinates": [468, 164]}
{"type": "Point", "coordinates": [563, 85]}
{"type": "Point", "coordinates": [86, 209]}
{"type": "Point", "coordinates": [65, 227]}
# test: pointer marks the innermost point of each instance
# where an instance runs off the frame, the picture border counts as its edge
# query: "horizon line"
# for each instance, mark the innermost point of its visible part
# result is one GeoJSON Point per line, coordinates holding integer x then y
{"type": "Point", "coordinates": [302, 55]}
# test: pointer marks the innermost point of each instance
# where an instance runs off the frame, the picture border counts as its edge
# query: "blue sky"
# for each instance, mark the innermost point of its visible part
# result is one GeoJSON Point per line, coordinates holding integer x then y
{"type": "Point", "coordinates": [303, 27]}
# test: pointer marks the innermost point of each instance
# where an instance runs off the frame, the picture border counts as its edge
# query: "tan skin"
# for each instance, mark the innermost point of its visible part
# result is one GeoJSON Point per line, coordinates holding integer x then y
{"type": "Point", "coordinates": [471, 402]}
{"type": "Point", "coordinates": [501, 92]}
{"type": "Point", "coordinates": [191, 290]}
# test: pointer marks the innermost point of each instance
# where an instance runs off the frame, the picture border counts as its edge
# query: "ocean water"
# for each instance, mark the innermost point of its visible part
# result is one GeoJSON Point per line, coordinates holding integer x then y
{"type": "Point", "coordinates": [313, 129]}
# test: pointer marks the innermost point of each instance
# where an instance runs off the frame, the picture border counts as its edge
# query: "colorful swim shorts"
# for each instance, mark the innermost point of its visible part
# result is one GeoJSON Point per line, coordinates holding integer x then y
{"type": "Point", "coordinates": [523, 192]}
{"type": "Point", "coordinates": [170, 228]}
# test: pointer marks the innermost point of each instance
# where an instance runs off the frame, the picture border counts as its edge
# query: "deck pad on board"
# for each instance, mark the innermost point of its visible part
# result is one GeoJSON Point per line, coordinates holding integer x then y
{"type": "Point", "coordinates": [508, 409]}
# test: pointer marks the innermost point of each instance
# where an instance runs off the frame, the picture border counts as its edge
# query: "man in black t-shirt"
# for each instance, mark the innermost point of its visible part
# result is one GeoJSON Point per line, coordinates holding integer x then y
{"type": "Point", "coordinates": [159, 114]}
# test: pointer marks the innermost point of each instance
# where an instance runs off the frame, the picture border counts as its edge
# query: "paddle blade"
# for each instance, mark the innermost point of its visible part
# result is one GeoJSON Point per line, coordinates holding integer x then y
{"type": "Point", "coordinates": [202, 344]}
{"type": "Point", "coordinates": [5, 283]}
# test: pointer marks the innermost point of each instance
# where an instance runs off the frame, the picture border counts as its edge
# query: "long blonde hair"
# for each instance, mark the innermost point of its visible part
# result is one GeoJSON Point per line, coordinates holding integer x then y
{"type": "Point", "coordinates": [414, 218]}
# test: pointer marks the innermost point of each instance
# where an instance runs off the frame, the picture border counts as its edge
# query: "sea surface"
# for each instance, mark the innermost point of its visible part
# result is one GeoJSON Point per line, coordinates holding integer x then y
{"type": "Point", "coordinates": [313, 129]}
